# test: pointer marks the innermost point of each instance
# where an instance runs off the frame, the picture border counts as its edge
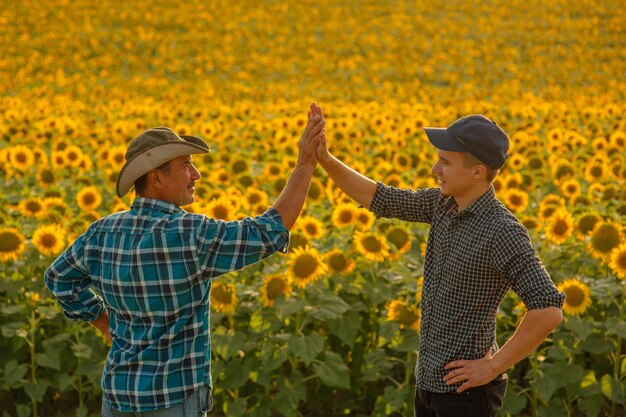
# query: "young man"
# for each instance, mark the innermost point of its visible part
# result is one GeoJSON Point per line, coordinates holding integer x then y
{"type": "Point", "coordinates": [477, 250]}
{"type": "Point", "coordinates": [153, 267]}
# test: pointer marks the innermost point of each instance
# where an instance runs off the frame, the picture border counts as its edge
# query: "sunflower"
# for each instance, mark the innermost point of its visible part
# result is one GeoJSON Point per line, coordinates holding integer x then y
{"type": "Point", "coordinates": [344, 214]}
{"type": "Point", "coordinates": [585, 223]}
{"type": "Point", "coordinates": [119, 205]}
{"type": "Point", "coordinates": [223, 297]}
{"type": "Point", "coordinates": [364, 219]}
{"type": "Point", "coordinates": [316, 190]}
{"type": "Point", "coordinates": [559, 226]}
{"type": "Point", "coordinates": [548, 206]}
{"type": "Point", "coordinates": [595, 172]}
{"type": "Point", "coordinates": [618, 261]}
{"type": "Point", "coordinates": [297, 240]}
{"type": "Point", "coordinates": [578, 296]}
{"type": "Point", "coordinates": [399, 240]}
{"type": "Point", "coordinates": [371, 246]}
{"type": "Point", "coordinates": [49, 239]}
{"type": "Point", "coordinates": [273, 286]}
{"type": "Point", "coordinates": [73, 155]}
{"type": "Point", "coordinates": [516, 200]}
{"type": "Point", "coordinates": [570, 188]}
{"type": "Point", "coordinates": [605, 237]}
{"type": "Point", "coordinates": [116, 157]}
{"type": "Point", "coordinates": [420, 287]}
{"type": "Point", "coordinates": [11, 244]}
{"type": "Point", "coordinates": [530, 222]}
{"type": "Point", "coordinates": [88, 198]}
{"type": "Point", "coordinates": [339, 262]}
{"type": "Point", "coordinates": [31, 207]}
{"type": "Point", "coordinates": [21, 157]}
{"type": "Point", "coordinates": [305, 266]}
{"type": "Point", "coordinates": [311, 227]}
{"type": "Point", "coordinates": [221, 209]}
{"type": "Point", "coordinates": [58, 160]}
{"type": "Point", "coordinates": [254, 198]}
{"type": "Point", "coordinates": [403, 313]}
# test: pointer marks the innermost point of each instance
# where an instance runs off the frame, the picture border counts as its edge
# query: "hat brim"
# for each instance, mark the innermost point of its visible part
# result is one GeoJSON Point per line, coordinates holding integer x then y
{"type": "Point", "coordinates": [442, 139]}
{"type": "Point", "coordinates": [154, 157]}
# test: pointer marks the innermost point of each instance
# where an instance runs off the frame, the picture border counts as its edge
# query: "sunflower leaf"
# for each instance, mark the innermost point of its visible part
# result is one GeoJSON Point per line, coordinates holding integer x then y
{"type": "Point", "coordinates": [616, 327]}
{"type": "Point", "coordinates": [333, 372]}
{"type": "Point", "coordinates": [306, 347]}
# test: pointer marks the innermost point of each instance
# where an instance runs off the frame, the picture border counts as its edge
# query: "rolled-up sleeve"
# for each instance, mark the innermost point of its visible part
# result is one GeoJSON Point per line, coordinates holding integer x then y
{"type": "Point", "coordinates": [70, 284]}
{"type": "Point", "coordinates": [228, 246]}
{"type": "Point", "coordinates": [405, 204]}
{"type": "Point", "coordinates": [514, 256]}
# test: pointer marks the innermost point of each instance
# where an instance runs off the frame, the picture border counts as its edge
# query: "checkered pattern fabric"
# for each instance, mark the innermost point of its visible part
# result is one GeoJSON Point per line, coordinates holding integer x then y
{"type": "Point", "coordinates": [472, 259]}
{"type": "Point", "coordinates": [152, 267]}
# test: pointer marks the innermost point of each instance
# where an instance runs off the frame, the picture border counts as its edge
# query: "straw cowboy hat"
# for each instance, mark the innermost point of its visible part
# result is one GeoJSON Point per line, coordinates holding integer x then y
{"type": "Point", "coordinates": [150, 150]}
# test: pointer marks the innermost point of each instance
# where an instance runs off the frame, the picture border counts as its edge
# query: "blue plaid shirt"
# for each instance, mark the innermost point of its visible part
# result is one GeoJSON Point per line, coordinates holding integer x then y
{"type": "Point", "coordinates": [152, 266]}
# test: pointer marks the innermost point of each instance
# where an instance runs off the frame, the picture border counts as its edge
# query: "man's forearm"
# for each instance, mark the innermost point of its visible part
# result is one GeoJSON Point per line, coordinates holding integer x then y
{"type": "Point", "coordinates": [290, 201]}
{"type": "Point", "coordinates": [356, 185]}
{"type": "Point", "coordinates": [102, 324]}
{"type": "Point", "coordinates": [533, 329]}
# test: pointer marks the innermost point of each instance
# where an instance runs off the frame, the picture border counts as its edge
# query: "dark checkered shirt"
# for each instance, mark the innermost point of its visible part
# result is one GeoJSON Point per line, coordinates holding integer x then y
{"type": "Point", "coordinates": [472, 259]}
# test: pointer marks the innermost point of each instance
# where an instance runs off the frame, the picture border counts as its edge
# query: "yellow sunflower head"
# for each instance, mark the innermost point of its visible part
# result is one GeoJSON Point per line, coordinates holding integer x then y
{"type": "Point", "coordinates": [585, 223]}
{"type": "Point", "coordinates": [578, 296]}
{"type": "Point", "coordinates": [344, 214]}
{"type": "Point", "coordinates": [305, 266]}
{"type": "Point", "coordinates": [221, 209]}
{"type": "Point", "coordinates": [11, 244]}
{"type": "Point", "coordinates": [559, 226]}
{"type": "Point", "coordinates": [273, 286]}
{"type": "Point", "coordinates": [89, 198]}
{"type": "Point", "coordinates": [223, 297]}
{"type": "Point", "coordinates": [399, 239]}
{"type": "Point", "coordinates": [516, 200]}
{"type": "Point", "coordinates": [49, 239]}
{"type": "Point", "coordinates": [311, 227]}
{"type": "Point", "coordinates": [403, 313]}
{"type": "Point", "coordinates": [21, 157]}
{"type": "Point", "coordinates": [31, 207]}
{"type": "Point", "coordinates": [339, 262]}
{"type": "Point", "coordinates": [618, 261]}
{"type": "Point", "coordinates": [605, 237]}
{"type": "Point", "coordinates": [364, 219]}
{"type": "Point", "coordinates": [372, 246]}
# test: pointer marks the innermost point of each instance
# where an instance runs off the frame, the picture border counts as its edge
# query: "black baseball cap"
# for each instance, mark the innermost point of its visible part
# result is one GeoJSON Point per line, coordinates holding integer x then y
{"type": "Point", "coordinates": [475, 134]}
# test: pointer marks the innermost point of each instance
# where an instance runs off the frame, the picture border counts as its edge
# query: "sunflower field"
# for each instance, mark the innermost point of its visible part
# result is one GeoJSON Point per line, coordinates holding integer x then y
{"type": "Point", "coordinates": [331, 328]}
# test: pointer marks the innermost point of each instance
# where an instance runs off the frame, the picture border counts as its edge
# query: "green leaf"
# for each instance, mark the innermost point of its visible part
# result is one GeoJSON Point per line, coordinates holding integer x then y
{"type": "Point", "coordinates": [346, 328]}
{"type": "Point", "coordinates": [48, 313]}
{"type": "Point", "coordinates": [376, 364]}
{"type": "Point", "coordinates": [590, 406]}
{"type": "Point", "coordinates": [23, 410]}
{"type": "Point", "coordinates": [545, 386]}
{"type": "Point", "coordinates": [274, 356]}
{"type": "Point", "coordinates": [616, 327]}
{"type": "Point", "coordinates": [582, 327]}
{"type": "Point", "coordinates": [16, 328]}
{"type": "Point", "coordinates": [612, 389]}
{"type": "Point", "coordinates": [259, 322]}
{"type": "Point", "coordinates": [235, 375]}
{"type": "Point", "coordinates": [290, 306]}
{"type": "Point", "coordinates": [394, 397]}
{"type": "Point", "coordinates": [8, 310]}
{"type": "Point", "coordinates": [36, 390]}
{"type": "Point", "coordinates": [235, 408]}
{"type": "Point", "coordinates": [82, 350]}
{"type": "Point", "coordinates": [333, 372]}
{"type": "Point", "coordinates": [514, 401]}
{"type": "Point", "coordinates": [291, 391]}
{"type": "Point", "coordinates": [409, 341]}
{"type": "Point", "coordinates": [48, 361]}
{"type": "Point", "coordinates": [13, 373]}
{"type": "Point", "coordinates": [596, 343]}
{"type": "Point", "coordinates": [555, 408]}
{"type": "Point", "coordinates": [306, 347]}
{"type": "Point", "coordinates": [330, 307]}
{"type": "Point", "coordinates": [81, 411]}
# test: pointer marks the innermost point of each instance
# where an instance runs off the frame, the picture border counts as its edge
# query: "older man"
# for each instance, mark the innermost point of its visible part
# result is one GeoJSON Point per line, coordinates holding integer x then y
{"type": "Point", "coordinates": [153, 266]}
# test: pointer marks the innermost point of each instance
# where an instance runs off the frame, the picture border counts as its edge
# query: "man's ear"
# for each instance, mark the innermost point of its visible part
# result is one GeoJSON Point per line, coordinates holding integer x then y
{"type": "Point", "coordinates": [154, 178]}
{"type": "Point", "coordinates": [480, 172]}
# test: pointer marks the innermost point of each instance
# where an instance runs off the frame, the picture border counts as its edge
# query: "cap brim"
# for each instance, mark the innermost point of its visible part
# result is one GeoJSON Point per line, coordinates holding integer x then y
{"type": "Point", "coordinates": [442, 139]}
{"type": "Point", "coordinates": [155, 157]}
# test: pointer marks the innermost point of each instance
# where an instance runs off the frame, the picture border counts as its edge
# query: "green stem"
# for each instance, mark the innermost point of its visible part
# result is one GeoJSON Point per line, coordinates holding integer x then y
{"type": "Point", "coordinates": [33, 352]}
{"type": "Point", "coordinates": [618, 351]}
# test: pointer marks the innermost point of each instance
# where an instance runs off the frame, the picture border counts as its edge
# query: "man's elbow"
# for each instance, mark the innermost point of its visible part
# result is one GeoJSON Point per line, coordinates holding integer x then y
{"type": "Point", "coordinates": [554, 317]}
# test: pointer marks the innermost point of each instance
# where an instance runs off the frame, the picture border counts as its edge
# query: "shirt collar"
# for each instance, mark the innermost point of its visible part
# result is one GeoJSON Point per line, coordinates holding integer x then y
{"type": "Point", "coordinates": [142, 204]}
{"type": "Point", "coordinates": [476, 207]}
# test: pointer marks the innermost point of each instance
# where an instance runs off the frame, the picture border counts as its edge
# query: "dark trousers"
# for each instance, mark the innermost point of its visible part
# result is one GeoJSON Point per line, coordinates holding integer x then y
{"type": "Point", "coordinates": [483, 401]}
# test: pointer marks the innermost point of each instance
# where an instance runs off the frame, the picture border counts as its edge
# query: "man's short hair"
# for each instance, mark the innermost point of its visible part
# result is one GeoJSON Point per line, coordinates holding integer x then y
{"type": "Point", "coordinates": [470, 160]}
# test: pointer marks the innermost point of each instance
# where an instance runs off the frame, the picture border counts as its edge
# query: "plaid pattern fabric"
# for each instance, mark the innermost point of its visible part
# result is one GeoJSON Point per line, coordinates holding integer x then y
{"type": "Point", "coordinates": [472, 259]}
{"type": "Point", "coordinates": [152, 267]}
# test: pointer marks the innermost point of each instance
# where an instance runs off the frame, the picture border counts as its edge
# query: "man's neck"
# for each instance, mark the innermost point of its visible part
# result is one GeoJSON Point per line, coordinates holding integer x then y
{"type": "Point", "coordinates": [463, 201]}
